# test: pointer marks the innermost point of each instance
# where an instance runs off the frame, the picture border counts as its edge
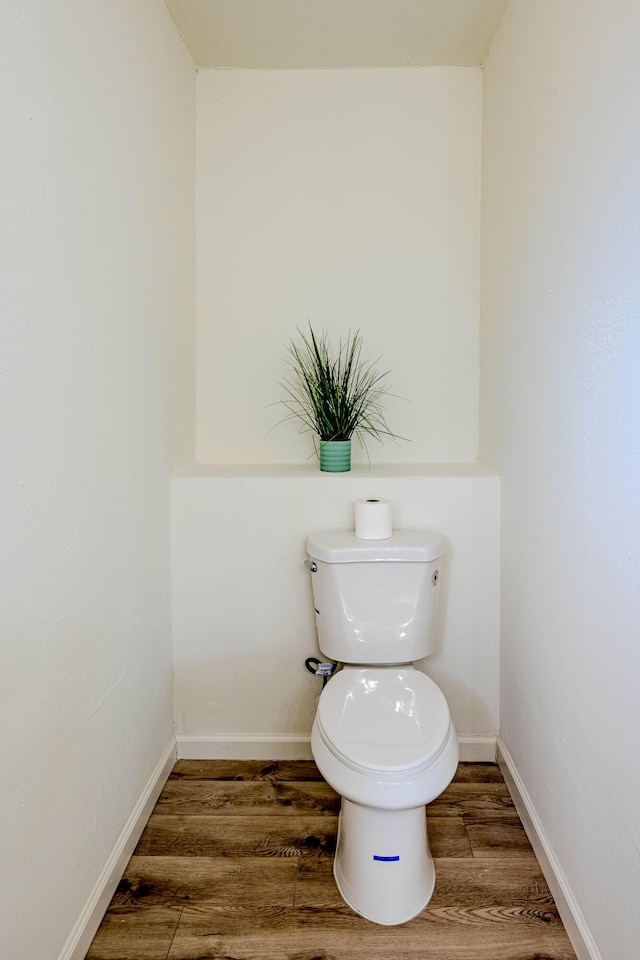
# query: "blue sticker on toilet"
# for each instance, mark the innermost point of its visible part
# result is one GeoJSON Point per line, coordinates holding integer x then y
{"type": "Point", "coordinates": [385, 859]}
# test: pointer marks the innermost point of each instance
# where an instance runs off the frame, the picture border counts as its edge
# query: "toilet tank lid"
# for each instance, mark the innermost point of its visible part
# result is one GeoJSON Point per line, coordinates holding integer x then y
{"type": "Point", "coordinates": [342, 546]}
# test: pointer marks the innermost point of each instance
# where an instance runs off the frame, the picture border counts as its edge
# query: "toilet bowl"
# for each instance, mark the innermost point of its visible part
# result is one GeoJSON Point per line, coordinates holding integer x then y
{"type": "Point", "coordinates": [383, 739]}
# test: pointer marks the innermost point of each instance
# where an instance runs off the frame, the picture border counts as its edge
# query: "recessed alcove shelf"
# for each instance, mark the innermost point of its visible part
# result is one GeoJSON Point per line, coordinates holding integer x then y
{"type": "Point", "coordinates": [382, 471]}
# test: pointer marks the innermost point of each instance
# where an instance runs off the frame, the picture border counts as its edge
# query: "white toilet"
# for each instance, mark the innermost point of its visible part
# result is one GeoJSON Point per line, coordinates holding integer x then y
{"type": "Point", "coordinates": [382, 736]}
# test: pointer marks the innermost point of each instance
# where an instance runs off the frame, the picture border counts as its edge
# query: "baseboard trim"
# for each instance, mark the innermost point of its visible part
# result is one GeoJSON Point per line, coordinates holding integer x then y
{"type": "Point", "coordinates": [284, 747]}
{"type": "Point", "coordinates": [251, 746]}
{"type": "Point", "coordinates": [570, 913]}
{"type": "Point", "coordinates": [477, 749]}
{"type": "Point", "coordinates": [84, 930]}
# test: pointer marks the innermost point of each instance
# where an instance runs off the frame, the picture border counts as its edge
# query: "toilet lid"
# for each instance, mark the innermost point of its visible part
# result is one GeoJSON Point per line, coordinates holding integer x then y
{"type": "Point", "coordinates": [383, 719]}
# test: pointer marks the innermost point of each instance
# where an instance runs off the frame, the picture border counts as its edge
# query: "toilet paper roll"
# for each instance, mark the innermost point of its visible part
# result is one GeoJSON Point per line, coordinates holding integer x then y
{"type": "Point", "coordinates": [373, 519]}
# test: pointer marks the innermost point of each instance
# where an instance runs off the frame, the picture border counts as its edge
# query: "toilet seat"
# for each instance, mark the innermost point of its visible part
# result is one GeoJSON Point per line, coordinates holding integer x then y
{"type": "Point", "coordinates": [387, 723]}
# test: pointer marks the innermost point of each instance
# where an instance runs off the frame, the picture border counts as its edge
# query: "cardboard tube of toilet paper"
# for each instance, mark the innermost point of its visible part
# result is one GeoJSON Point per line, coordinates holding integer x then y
{"type": "Point", "coordinates": [373, 519]}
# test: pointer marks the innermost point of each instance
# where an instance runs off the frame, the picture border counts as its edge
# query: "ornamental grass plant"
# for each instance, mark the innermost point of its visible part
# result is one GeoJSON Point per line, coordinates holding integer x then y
{"type": "Point", "coordinates": [335, 394]}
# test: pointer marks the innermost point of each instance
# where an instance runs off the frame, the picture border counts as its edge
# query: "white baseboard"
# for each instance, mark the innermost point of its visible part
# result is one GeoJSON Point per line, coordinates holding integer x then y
{"type": "Point", "coordinates": [477, 749]}
{"type": "Point", "coordinates": [251, 746]}
{"type": "Point", "coordinates": [84, 930]}
{"type": "Point", "coordinates": [570, 913]}
{"type": "Point", "coordinates": [255, 747]}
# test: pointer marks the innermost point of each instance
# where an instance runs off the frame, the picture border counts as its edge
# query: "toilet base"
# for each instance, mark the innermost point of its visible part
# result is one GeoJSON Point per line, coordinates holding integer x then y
{"type": "Point", "coordinates": [383, 866]}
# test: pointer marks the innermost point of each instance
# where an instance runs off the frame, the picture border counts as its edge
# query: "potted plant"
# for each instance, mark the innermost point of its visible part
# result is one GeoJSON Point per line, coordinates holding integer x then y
{"type": "Point", "coordinates": [336, 395]}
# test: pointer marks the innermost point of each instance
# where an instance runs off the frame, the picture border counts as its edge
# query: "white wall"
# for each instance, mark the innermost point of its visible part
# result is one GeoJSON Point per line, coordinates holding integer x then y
{"type": "Point", "coordinates": [96, 258]}
{"type": "Point", "coordinates": [351, 199]}
{"type": "Point", "coordinates": [243, 612]}
{"type": "Point", "coordinates": [560, 418]}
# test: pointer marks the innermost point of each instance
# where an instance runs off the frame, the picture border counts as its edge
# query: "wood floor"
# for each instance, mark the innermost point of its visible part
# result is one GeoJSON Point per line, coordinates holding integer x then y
{"type": "Point", "coordinates": [236, 863]}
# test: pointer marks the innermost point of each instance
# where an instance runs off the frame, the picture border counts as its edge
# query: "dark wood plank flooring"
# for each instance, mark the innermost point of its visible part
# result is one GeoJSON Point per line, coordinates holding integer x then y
{"type": "Point", "coordinates": [236, 863]}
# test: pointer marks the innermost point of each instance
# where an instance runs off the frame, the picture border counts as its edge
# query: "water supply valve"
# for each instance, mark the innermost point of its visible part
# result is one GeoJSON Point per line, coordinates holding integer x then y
{"type": "Point", "coordinates": [324, 669]}
{"type": "Point", "coordinates": [320, 668]}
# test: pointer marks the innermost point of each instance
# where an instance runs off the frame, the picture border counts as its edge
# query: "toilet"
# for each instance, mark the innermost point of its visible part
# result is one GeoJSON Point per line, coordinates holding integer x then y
{"type": "Point", "coordinates": [382, 736]}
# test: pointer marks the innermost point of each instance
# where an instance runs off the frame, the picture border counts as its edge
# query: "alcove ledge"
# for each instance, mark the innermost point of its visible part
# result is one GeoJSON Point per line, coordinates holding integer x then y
{"type": "Point", "coordinates": [393, 471]}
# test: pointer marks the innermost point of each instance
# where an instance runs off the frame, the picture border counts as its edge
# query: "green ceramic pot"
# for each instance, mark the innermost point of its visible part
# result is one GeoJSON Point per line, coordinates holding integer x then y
{"type": "Point", "coordinates": [335, 456]}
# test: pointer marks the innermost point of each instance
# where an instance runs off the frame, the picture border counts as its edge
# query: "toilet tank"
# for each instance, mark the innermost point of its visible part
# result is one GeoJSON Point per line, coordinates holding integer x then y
{"type": "Point", "coordinates": [376, 600]}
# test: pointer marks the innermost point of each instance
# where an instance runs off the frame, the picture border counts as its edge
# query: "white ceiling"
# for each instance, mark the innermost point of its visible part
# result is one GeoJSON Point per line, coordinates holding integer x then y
{"type": "Point", "coordinates": [288, 34]}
